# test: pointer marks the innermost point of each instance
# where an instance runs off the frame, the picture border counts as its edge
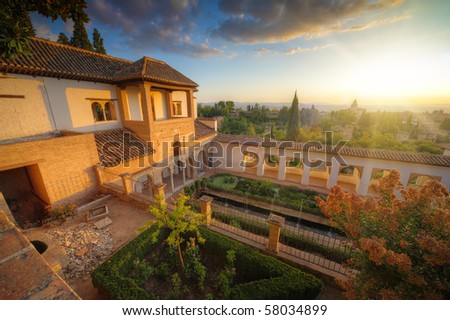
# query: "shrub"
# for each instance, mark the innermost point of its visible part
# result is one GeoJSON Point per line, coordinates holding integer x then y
{"type": "Point", "coordinates": [258, 276]}
{"type": "Point", "coordinates": [59, 212]}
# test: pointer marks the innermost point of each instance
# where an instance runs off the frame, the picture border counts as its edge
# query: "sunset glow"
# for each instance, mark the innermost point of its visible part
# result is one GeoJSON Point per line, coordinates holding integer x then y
{"type": "Point", "coordinates": [394, 52]}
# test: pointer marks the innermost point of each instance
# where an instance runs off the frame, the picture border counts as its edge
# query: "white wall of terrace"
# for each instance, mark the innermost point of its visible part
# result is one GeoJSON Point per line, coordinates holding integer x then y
{"type": "Point", "coordinates": [358, 179]}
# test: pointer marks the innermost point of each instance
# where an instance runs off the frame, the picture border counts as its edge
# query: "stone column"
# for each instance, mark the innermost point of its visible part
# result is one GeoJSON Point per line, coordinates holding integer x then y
{"type": "Point", "coordinates": [172, 185]}
{"type": "Point", "coordinates": [364, 181]}
{"type": "Point", "coordinates": [404, 177]}
{"type": "Point", "coordinates": [99, 174]}
{"type": "Point", "coordinates": [158, 190]}
{"type": "Point", "coordinates": [205, 204]}
{"type": "Point", "coordinates": [127, 183]}
{"type": "Point", "coordinates": [305, 174]}
{"type": "Point", "coordinates": [276, 223]}
{"type": "Point", "coordinates": [260, 167]}
{"type": "Point", "coordinates": [333, 177]}
{"type": "Point", "coordinates": [282, 168]}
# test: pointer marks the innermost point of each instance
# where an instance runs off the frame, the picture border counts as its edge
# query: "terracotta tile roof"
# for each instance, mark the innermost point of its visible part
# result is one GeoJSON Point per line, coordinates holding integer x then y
{"type": "Point", "coordinates": [153, 70]}
{"type": "Point", "coordinates": [53, 59]}
{"type": "Point", "coordinates": [119, 145]}
{"type": "Point", "coordinates": [202, 130]}
{"type": "Point", "coordinates": [403, 156]}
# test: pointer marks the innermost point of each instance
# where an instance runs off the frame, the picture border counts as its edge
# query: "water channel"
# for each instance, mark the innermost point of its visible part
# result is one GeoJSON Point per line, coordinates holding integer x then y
{"type": "Point", "coordinates": [264, 213]}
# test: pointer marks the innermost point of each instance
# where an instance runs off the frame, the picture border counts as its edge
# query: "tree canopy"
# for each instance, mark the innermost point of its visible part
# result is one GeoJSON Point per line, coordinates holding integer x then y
{"type": "Point", "coordinates": [98, 42]}
{"type": "Point", "coordinates": [80, 38]}
{"type": "Point", "coordinates": [180, 221]}
{"type": "Point", "coordinates": [15, 24]}
{"type": "Point", "coordinates": [62, 38]}
{"type": "Point", "coordinates": [402, 244]}
{"type": "Point", "coordinates": [293, 125]}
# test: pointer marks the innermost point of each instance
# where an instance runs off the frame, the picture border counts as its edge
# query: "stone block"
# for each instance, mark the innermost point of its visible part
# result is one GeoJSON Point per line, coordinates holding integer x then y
{"type": "Point", "coordinates": [103, 223]}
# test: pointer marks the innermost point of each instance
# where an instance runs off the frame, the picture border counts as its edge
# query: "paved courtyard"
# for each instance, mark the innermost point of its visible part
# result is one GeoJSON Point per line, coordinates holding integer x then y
{"type": "Point", "coordinates": [80, 247]}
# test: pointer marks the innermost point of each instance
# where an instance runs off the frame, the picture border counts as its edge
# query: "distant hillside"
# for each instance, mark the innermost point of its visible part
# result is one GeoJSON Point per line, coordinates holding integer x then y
{"type": "Point", "coordinates": [331, 107]}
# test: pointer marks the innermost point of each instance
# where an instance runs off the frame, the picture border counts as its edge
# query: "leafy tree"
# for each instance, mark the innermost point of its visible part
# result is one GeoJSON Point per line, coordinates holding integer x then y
{"type": "Point", "coordinates": [180, 221]}
{"type": "Point", "coordinates": [62, 38]}
{"type": "Point", "coordinates": [293, 125]}
{"type": "Point", "coordinates": [445, 125]}
{"type": "Point", "coordinates": [251, 130]}
{"type": "Point", "coordinates": [98, 42]}
{"type": "Point", "coordinates": [309, 117]}
{"type": "Point", "coordinates": [283, 115]}
{"type": "Point", "coordinates": [402, 245]}
{"type": "Point", "coordinates": [234, 126]}
{"type": "Point", "coordinates": [80, 38]}
{"type": "Point", "coordinates": [15, 24]}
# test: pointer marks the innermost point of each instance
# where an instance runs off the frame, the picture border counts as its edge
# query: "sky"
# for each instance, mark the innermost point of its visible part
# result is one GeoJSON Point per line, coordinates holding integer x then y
{"type": "Point", "coordinates": [380, 52]}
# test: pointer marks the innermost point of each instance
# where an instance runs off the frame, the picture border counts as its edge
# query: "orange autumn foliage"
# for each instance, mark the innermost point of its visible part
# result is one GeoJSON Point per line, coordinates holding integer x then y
{"type": "Point", "coordinates": [402, 242]}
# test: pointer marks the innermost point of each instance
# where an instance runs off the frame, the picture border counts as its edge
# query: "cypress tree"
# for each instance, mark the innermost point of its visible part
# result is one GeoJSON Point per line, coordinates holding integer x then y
{"type": "Point", "coordinates": [25, 22]}
{"type": "Point", "coordinates": [62, 38]}
{"type": "Point", "coordinates": [293, 126]}
{"type": "Point", "coordinates": [98, 42]}
{"type": "Point", "coordinates": [80, 38]}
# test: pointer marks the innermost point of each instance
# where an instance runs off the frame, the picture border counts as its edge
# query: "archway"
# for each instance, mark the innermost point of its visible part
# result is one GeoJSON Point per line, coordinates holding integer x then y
{"type": "Point", "coordinates": [250, 161]}
{"type": "Point", "coordinates": [294, 170]}
{"type": "Point", "coordinates": [143, 184]}
{"type": "Point", "coordinates": [319, 174]}
{"type": "Point", "coordinates": [271, 165]}
{"type": "Point", "coordinates": [377, 174]}
{"type": "Point", "coordinates": [416, 179]}
{"type": "Point", "coordinates": [349, 178]}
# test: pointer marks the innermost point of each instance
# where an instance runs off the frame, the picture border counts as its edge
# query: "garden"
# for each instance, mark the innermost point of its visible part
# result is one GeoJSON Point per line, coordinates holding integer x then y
{"type": "Point", "coordinates": [266, 191]}
{"type": "Point", "coordinates": [177, 258]}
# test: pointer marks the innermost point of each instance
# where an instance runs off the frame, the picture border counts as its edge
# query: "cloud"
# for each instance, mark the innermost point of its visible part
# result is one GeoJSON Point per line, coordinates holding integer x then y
{"type": "Point", "coordinates": [43, 31]}
{"type": "Point", "coordinates": [252, 21]}
{"type": "Point", "coordinates": [163, 25]}
{"type": "Point", "coordinates": [300, 49]}
{"type": "Point", "coordinates": [68, 26]}
{"type": "Point", "coordinates": [375, 23]}
{"type": "Point", "coordinates": [263, 51]}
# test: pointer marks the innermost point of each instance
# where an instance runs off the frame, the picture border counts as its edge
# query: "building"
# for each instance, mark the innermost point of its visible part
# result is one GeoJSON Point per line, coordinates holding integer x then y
{"type": "Point", "coordinates": [69, 116]}
{"type": "Point", "coordinates": [73, 122]}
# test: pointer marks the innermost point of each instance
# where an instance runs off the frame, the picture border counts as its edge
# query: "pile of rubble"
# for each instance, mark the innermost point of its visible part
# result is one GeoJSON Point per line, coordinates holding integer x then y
{"type": "Point", "coordinates": [86, 248]}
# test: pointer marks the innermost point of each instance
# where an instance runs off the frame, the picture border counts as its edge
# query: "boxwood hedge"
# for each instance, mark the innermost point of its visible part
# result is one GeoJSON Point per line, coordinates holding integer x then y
{"type": "Point", "coordinates": [258, 276]}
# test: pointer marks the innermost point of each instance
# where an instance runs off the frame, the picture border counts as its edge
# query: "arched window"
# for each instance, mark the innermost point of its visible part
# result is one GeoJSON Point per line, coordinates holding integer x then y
{"type": "Point", "coordinates": [105, 112]}
{"type": "Point", "coordinates": [109, 111]}
{"type": "Point", "coordinates": [97, 112]}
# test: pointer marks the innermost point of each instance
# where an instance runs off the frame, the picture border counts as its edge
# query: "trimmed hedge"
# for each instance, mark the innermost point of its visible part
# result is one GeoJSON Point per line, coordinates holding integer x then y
{"type": "Point", "coordinates": [267, 278]}
{"type": "Point", "coordinates": [110, 278]}
{"type": "Point", "coordinates": [258, 276]}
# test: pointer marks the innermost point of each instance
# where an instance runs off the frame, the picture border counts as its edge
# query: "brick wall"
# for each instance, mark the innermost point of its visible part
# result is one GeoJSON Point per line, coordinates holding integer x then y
{"type": "Point", "coordinates": [65, 164]}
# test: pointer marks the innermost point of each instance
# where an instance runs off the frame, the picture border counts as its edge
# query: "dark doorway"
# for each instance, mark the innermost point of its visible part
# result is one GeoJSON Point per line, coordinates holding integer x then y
{"type": "Point", "coordinates": [25, 194]}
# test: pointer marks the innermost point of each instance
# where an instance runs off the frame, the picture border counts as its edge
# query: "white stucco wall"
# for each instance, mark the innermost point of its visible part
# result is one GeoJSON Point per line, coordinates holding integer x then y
{"type": "Point", "coordinates": [71, 109]}
{"type": "Point", "coordinates": [21, 117]}
{"type": "Point", "coordinates": [51, 104]}
{"type": "Point", "coordinates": [233, 157]}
